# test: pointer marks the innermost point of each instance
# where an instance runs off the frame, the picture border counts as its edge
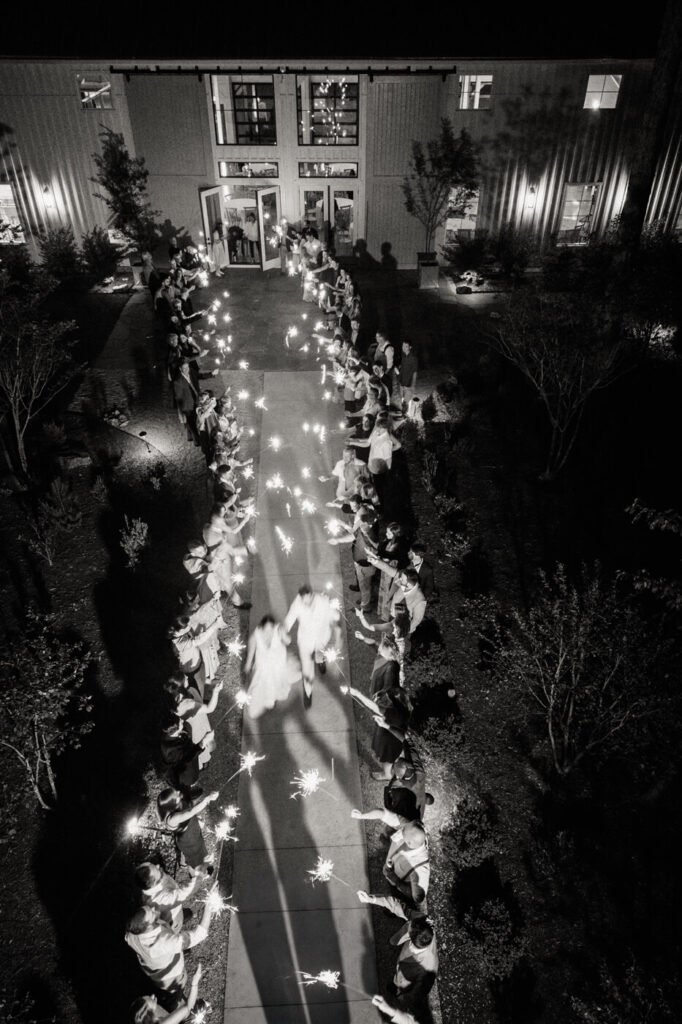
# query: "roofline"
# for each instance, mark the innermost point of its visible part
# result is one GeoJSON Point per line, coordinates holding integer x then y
{"type": "Point", "coordinates": [291, 65]}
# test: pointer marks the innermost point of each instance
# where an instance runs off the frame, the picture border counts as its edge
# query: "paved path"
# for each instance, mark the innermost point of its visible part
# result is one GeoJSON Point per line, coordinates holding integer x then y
{"type": "Point", "coordinates": [285, 924]}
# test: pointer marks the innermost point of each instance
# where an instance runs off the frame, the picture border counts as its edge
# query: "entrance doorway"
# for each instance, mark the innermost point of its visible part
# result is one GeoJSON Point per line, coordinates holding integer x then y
{"type": "Point", "coordinates": [239, 225]}
{"type": "Point", "coordinates": [330, 210]}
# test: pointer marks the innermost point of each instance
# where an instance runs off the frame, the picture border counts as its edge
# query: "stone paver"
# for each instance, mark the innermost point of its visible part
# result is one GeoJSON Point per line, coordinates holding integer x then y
{"type": "Point", "coordinates": [284, 924]}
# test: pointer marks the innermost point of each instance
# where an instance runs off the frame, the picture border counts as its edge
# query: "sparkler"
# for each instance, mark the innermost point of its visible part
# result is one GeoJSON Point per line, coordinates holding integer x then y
{"type": "Point", "coordinates": [236, 647]}
{"type": "Point", "coordinates": [319, 325]}
{"type": "Point", "coordinates": [211, 319]}
{"type": "Point", "coordinates": [134, 826]}
{"type": "Point", "coordinates": [305, 427]}
{"type": "Point", "coordinates": [274, 483]}
{"type": "Point", "coordinates": [329, 978]}
{"type": "Point", "coordinates": [332, 655]}
{"type": "Point", "coordinates": [286, 542]}
{"type": "Point", "coordinates": [243, 395]}
{"type": "Point", "coordinates": [260, 403]}
{"type": "Point", "coordinates": [305, 473]}
{"type": "Point", "coordinates": [333, 527]}
{"type": "Point", "coordinates": [275, 443]}
{"type": "Point", "coordinates": [251, 432]}
{"type": "Point", "coordinates": [324, 872]}
{"type": "Point", "coordinates": [243, 365]}
{"type": "Point", "coordinates": [326, 396]}
{"type": "Point", "coordinates": [226, 295]}
{"type": "Point", "coordinates": [308, 506]}
{"type": "Point", "coordinates": [307, 783]}
{"type": "Point", "coordinates": [251, 545]}
{"type": "Point", "coordinates": [227, 318]}
{"type": "Point", "coordinates": [247, 472]}
{"type": "Point", "coordinates": [324, 374]}
{"type": "Point", "coordinates": [200, 1013]}
{"type": "Point", "coordinates": [297, 492]}
{"type": "Point", "coordinates": [218, 903]}
{"type": "Point", "coordinates": [248, 763]}
{"type": "Point", "coordinates": [288, 508]}
{"type": "Point", "coordinates": [238, 577]}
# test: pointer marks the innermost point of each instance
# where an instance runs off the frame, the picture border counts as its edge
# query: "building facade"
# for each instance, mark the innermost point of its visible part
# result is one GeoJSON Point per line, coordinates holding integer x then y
{"type": "Point", "coordinates": [233, 145]}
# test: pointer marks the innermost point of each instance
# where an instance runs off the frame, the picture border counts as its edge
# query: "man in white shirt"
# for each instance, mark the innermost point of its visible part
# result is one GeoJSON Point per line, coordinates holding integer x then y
{"type": "Point", "coordinates": [407, 865]}
{"type": "Point", "coordinates": [347, 470]}
{"type": "Point", "coordinates": [162, 892]}
{"type": "Point", "coordinates": [318, 626]}
{"type": "Point", "coordinates": [161, 951]}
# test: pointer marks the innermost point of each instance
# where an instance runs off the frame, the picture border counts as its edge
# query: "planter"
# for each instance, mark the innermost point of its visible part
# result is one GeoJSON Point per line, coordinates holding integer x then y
{"type": "Point", "coordinates": [427, 270]}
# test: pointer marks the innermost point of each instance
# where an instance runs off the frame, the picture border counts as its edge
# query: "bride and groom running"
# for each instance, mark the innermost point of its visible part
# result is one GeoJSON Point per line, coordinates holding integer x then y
{"type": "Point", "coordinates": [275, 668]}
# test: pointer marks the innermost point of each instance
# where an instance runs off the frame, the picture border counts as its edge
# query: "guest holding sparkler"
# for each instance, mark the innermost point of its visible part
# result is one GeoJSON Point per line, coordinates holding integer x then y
{"type": "Point", "coordinates": [407, 866]}
{"type": "Point", "coordinates": [179, 755]}
{"type": "Point", "coordinates": [405, 593]}
{"type": "Point", "coordinates": [219, 538]}
{"type": "Point", "coordinates": [347, 470]}
{"type": "Point", "coordinates": [161, 891]}
{"type": "Point", "coordinates": [161, 953]}
{"type": "Point", "coordinates": [188, 705]}
{"type": "Point", "coordinates": [318, 625]}
{"type": "Point", "coordinates": [393, 1013]}
{"type": "Point", "coordinates": [417, 966]}
{"type": "Point", "coordinates": [388, 705]}
{"type": "Point", "coordinates": [146, 1010]}
{"type": "Point", "coordinates": [179, 813]}
{"type": "Point", "coordinates": [275, 669]}
{"type": "Point", "coordinates": [392, 552]}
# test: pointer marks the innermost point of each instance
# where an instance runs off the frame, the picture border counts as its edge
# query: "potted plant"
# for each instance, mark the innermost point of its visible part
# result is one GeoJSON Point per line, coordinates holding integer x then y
{"type": "Point", "coordinates": [444, 175]}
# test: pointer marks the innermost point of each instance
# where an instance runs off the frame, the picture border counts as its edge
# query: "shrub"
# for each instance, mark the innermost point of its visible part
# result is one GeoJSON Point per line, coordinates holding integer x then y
{"type": "Point", "coordinates": [428, 409]}
{"type": "Point", "coordinates": [469, 836]}
{"type": "Point", "coordinates": [134, 539]}
{"type": "Point", "coordinates": [60, 506]}
{"type": "Point", "coordinates": [467, 253]}
{"type": "Point", "coordinates": [513, 247]}
{"type": "Point", "coordinates": [60, 256]}
{"type": "Point", "coordinates": [430, 668]}
{"type": "Point", "coordinates": [16, 262]}
{"type": "Point", "coordinates": [55, 434]}
{"type": "Point", "coordinates": [99, 490]}
{"type": "Point", "coordinates": [100, 255]}
{"type": "Point", "coordinates": [491, 937]}
{"type": "Point", "coordinates": [42, 538]}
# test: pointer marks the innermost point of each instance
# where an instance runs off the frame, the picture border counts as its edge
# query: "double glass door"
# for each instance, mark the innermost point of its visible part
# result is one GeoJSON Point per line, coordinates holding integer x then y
{"type": "Point", "coordinates": [330, 209]}
{"type": "Point", "coordinates": [239, 225]}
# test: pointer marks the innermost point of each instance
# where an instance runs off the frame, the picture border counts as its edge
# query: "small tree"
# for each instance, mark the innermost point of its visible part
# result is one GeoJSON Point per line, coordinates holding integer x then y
{"type": "Point", "coordinates": [35, 360]}
{"type": "Point", "coordinates": [564, 348]}
{"type": "Point", "coordinates": [667, 590]}
{"type": "Point", "coordinates": [123, 179]}
{"type": "Point", "coordinates": [443, 178]}
{"type": "Point", "coordinates": [43, 705]}
{"type": "Point", "coordinates": [587, 661]}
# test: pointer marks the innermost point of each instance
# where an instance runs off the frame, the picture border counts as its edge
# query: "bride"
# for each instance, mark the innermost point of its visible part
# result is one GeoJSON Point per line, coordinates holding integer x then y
{"type": "Point", "coordinates": [275, 669]}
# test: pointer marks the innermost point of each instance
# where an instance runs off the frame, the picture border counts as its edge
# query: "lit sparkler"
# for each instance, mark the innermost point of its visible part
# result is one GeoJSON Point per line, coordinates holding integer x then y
{"type": "Point", "coordinates": [238, 577]}
{"type": "Point", "coordinates": [329, 978]}
{"type": "Point", "coordinates": [305, 427]}
{"type": "Point", "coordinates": [260, 403]}
{"type": "Point", "coordinates": [332, 655]}
{"type": "Point", "coordinates": [275, 443]}
{"type": "Point", "coordinates": [218, 903]}
{"type": "Point", "coordinates": [305, 473]}
{"type": "Point", "coordinates": [248, 762]}
{"type": "Point", "coordinates": [211, 319]}
{"type": "Point", "coordinates": [326, 396]}
{"type": "Point", "coordinates": [286, 542]}
{"type": "Point", "coordinates": [243, 365]}
{"type": "Point", "coordinates": [308, 506]}
{"type": "Point", "coordinates": [324, 374]}
{"type": "Point", "coordinates": [247, 472]}
{"type": "Point", "coordinates": [243, 395]}
{"type": "Point", "coordinates": [288, 508]}
{"type": "Point", "coordinates": [251, 432]}
{"type": "Point", "coordinates": [251, 545]}
{"type": "Point", "coordinates": [236, 647]}
{"type": "Point", "coordinates": [297, 492]}
{"type": "Point", "coordinates": [274, 483]}
{"type": "Point", "coordinates": [333, 527]}
{"type": "Point", "coordinates": [307, 783]}
{"type": "Point", "coordinates": [324, 872]}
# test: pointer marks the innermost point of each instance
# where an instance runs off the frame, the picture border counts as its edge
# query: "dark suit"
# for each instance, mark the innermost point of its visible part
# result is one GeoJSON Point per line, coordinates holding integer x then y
{"type": "Point", "coordinates": [185, 395]}
{"type": "Point", "coordinates": [427, 583]}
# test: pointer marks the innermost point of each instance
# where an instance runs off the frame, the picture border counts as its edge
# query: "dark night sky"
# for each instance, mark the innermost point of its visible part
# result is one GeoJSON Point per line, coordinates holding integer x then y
{"type": "Point", "coordinates": [475, 28]}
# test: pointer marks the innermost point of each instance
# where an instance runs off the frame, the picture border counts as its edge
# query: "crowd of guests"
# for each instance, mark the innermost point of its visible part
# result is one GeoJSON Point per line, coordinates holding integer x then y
{"type": "Point", "coordinates": [393, 580]}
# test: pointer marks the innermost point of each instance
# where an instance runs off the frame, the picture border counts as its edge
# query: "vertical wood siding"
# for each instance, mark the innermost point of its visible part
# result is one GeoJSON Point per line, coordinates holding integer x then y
{"type": "Point", "coordinates": [49, 140]}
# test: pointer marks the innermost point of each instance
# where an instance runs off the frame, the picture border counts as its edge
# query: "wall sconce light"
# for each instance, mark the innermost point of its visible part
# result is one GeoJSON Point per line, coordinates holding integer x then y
{"type": "Point", "coordinates": [531, 197]}
{"type": "Point", "coordinates": [48, 198]}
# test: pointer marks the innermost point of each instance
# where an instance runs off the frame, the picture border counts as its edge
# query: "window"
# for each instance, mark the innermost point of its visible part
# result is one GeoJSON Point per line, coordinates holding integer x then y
{"type": "Point", "coordinates": [308, 169]}
{"type": "Point", "coordinates": [602, 91]}
{"type": "Point", "coordinates": [475, 92]}
{"type": "Point", "coordinates": [577, 213]}
{"type": "Point", "coordinates": [252, 169]}
{"type": "Point", "coordinates": [11, 231]}
{"type": "Point", "coordinates": [95, 92]}
{"type": "Point", "coordinates": [244, 110]}
{"type": "Point", "coordinates": [461, 220]}
{"type": "Point", "coordinates": [327, 110]}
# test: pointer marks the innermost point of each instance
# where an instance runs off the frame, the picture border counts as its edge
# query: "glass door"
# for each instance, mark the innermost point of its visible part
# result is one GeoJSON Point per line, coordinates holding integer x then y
{"type": "Point", "coordinates": [230, 219]}
{"type": "Point", "coordinates": [315, 210]}
{"type": "Point", "coordinates": [267, 203]}
{"type": "Point", "coordinates": [342, 203]}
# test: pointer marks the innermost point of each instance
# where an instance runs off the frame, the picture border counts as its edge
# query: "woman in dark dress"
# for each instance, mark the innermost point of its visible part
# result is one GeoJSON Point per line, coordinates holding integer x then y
{"type": "Point", "coordinates": [389, 706]}
{"type": "Point", "coordinates": [394, 551]}
{"type": "Point", "coordinates": [179, 813]}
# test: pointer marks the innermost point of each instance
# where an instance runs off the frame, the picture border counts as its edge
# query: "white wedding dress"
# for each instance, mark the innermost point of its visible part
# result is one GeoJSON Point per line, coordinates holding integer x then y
{"type": "Point", "coordinates": [275, 671]}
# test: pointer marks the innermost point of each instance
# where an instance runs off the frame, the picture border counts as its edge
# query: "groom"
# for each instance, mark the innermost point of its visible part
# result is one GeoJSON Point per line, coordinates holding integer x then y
{"type": "Point", "coordinates": [318, 624]}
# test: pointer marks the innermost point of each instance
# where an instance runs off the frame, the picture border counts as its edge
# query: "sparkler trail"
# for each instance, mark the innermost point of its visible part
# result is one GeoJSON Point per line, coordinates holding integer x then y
{"type": "Point", "coordinates": [248, 763]}
{"type": "Point", "coordinates": [308, 782]}
{"type": "Point", "coordinates": [324, 872]}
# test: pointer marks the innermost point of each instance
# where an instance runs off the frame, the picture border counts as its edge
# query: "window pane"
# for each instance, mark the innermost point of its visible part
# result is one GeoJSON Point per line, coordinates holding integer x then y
{"type": "Point", "coordinates": [327, 107]}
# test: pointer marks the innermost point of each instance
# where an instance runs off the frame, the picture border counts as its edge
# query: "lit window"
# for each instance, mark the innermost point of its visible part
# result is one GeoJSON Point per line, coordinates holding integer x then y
{"type": "Point", "coordinates": [95, 92]}
{"type": "Point", "coordinates": [602, 91]}
{"type": "Point", "coordinates": [309, 169]}
{"type": "Point", "coordinates": [577, 213]}
{"type": "Point", "coordinates": [327, 107]}
{"type": "Point", "coordinates": [475, 92]}
{"type": "Point", "coordinates": [461, 219]}
{"type": "Point", "coordinates": [244, 110]}
{"type": "Point", "coordinates": [247, 169]}
{"type": "Point", "coordinates": [11, 230]}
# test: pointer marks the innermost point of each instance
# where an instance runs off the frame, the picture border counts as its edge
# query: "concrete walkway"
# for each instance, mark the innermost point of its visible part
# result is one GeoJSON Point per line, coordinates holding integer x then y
{"type": "Point", "coordinates": [284, 924]}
